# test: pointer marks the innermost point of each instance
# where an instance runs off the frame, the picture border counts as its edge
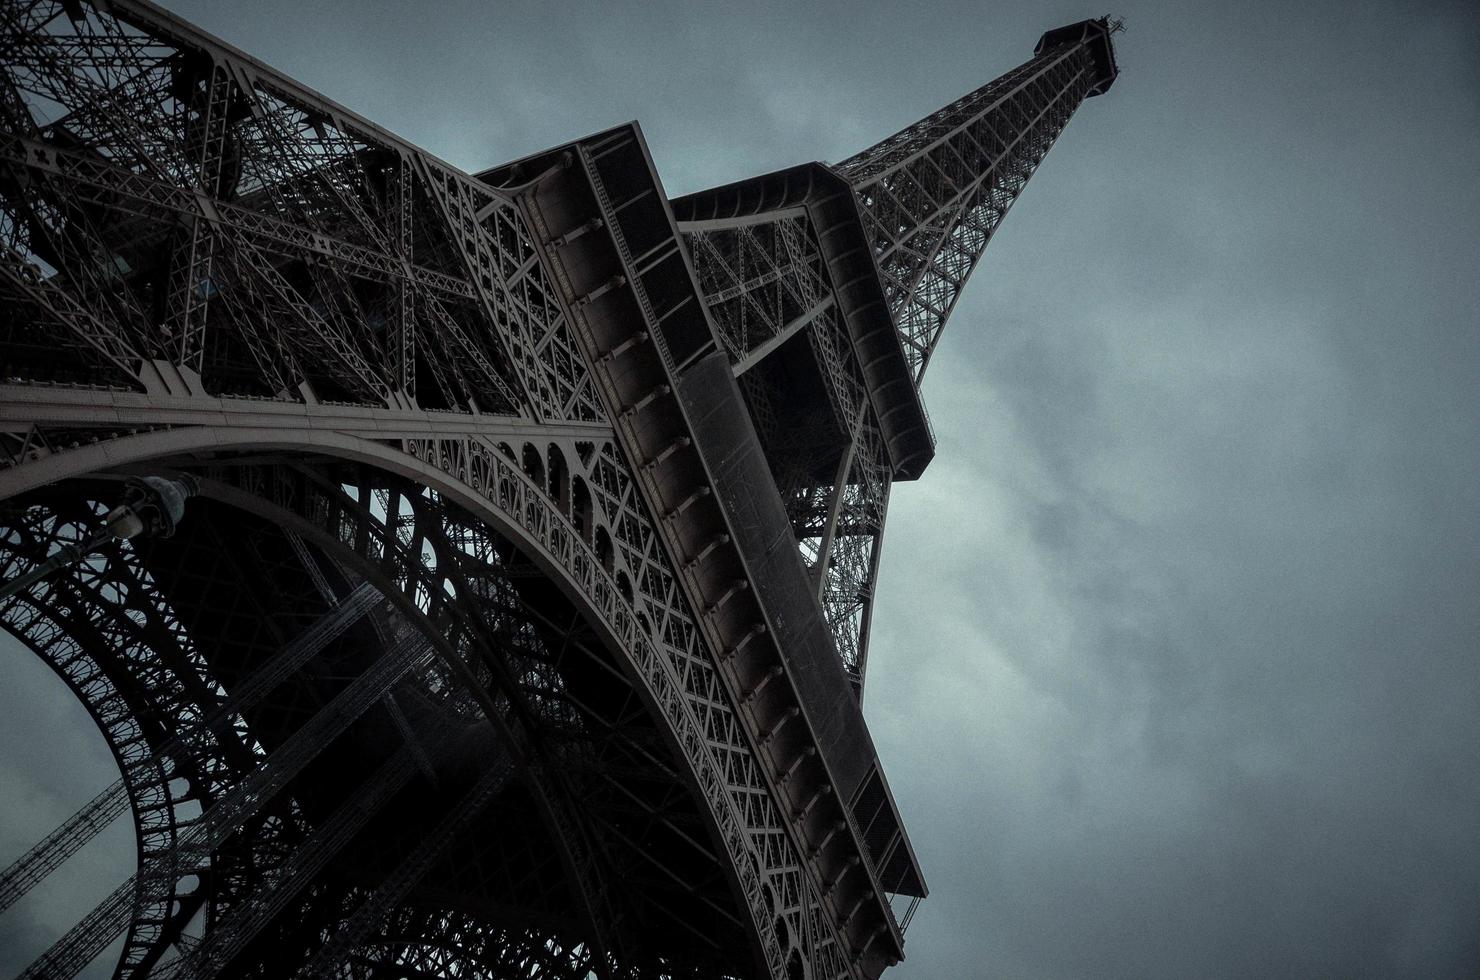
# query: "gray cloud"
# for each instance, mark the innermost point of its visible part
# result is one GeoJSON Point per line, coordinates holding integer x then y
{"type": "Point", "coordinates": [1207, 467]}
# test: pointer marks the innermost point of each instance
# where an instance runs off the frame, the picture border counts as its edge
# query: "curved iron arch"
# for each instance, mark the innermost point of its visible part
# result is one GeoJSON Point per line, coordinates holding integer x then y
{"type": "Point", "coordinates": [494, 489]}
{"type": "Point", "coordinates": [94, 636]}
{"type": "Point", "coordinates": [531, 522]}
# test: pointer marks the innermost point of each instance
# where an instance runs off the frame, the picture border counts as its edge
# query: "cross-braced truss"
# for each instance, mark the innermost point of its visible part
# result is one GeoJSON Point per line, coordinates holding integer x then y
{"type": "Point", "coordinates": [444, 673]}
{"type": "Point", "coordinates": [168, 205]}
{"type": "Point", "coordinates": [934, 193]}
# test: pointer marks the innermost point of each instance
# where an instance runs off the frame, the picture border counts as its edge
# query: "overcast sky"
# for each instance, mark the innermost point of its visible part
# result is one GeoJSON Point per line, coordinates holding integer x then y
{"type": "Point", "coordinates": [1174, 670]}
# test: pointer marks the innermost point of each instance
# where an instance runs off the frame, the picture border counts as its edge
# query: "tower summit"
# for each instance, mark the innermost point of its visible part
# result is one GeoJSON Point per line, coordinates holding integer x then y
{"type": "Point", "coordinates": [518, 622]}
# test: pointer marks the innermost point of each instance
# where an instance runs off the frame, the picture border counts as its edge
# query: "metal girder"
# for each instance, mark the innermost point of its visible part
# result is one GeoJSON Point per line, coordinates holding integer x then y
{"type": "Point", "coordinates": [760, 281]}
{"type": "Point", "coordinates": [655, 436]}
{"type": "Point", "coordinates": [254, 234]}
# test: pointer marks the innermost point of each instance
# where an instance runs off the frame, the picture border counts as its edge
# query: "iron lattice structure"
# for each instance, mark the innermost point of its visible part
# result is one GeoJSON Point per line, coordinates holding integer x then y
{"type": "Point", "coordinates": [520, 621]}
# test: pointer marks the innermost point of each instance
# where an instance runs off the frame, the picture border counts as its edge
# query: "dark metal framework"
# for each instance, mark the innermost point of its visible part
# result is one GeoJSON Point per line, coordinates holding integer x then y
{"type": "Point", "coordinates": [477, 652]}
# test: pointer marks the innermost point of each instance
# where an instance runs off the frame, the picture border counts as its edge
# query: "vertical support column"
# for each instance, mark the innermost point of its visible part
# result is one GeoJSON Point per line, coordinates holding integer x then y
{"type": "Point", "coordinates": [403, 309]}
{"type": "Point", "coordinates": [190, 284]}
{"type": "Point", "coordinates": [834, 511]}
{"type": "Point", "coordinates": [867, 616]}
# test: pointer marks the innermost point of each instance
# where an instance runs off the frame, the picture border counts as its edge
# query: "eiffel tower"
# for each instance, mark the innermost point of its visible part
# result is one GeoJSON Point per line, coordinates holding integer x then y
{"type": "Point", "coordinates": [471, 573]}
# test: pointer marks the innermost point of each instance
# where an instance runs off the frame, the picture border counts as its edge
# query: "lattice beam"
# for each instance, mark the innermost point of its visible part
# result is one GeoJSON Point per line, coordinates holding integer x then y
{"type": "Point", "coordinates": [934, 193]}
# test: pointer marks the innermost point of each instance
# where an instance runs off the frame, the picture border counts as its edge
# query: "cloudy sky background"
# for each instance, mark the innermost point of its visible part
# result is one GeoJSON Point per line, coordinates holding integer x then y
{"type": "Point", "coordinates": [1174, 668]}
